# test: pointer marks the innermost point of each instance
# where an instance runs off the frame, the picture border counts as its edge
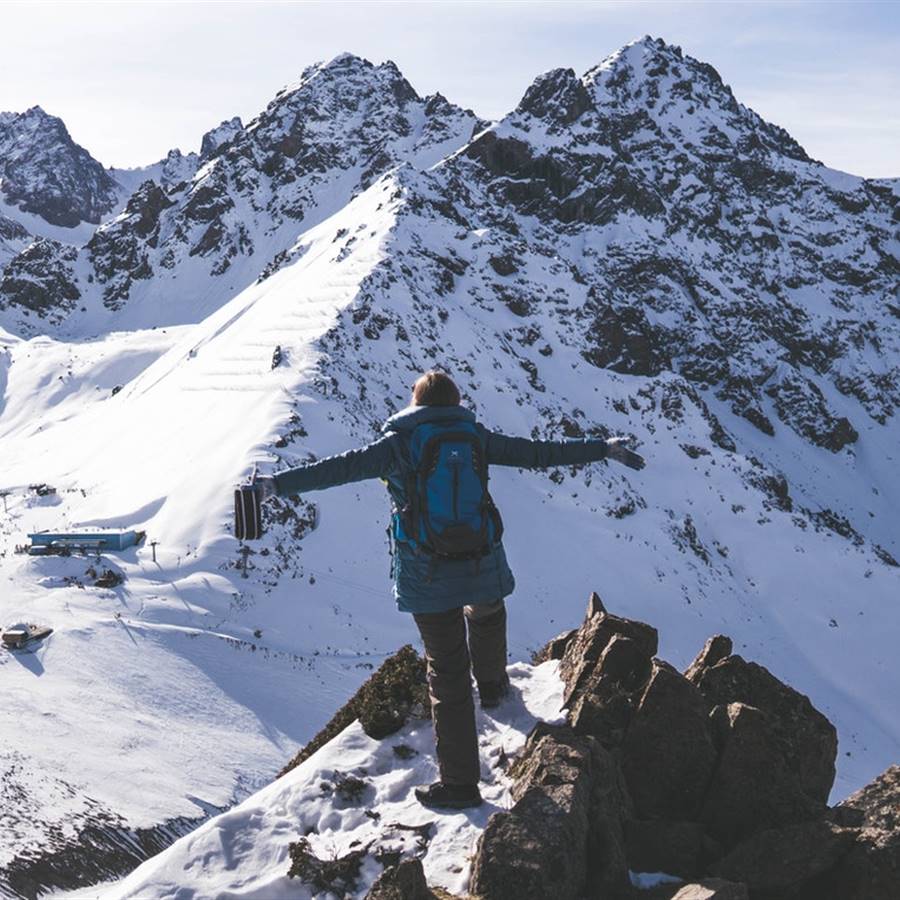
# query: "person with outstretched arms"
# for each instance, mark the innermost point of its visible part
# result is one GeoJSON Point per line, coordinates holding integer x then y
{"type": "Point", "coordinates": [449, 567]}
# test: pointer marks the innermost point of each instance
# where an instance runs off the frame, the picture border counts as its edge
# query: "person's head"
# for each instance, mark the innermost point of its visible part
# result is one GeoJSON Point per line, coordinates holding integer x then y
{"type": "Point", "coordinates": [435, 389]}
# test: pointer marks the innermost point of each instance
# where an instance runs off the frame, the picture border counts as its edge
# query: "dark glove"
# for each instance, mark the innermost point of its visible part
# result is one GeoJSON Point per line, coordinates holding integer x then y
{"type": "Point", "coordinates": [616, 449]}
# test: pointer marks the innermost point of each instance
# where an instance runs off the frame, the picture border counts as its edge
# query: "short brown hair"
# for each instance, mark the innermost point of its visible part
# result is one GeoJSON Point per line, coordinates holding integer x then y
{"type": "Point", "coordinates": [435, 389]}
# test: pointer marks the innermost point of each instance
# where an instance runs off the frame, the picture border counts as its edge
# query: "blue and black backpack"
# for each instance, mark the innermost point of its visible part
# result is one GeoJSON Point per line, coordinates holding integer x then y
{"type": "Point", "coordinates": [449, 512]}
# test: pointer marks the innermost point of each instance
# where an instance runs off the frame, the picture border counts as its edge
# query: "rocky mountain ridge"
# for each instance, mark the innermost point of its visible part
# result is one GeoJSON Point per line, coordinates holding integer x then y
{"type": "Point", "coordinates": [45, 173]}
{"type": "Point", "coordinates": [235, 216]}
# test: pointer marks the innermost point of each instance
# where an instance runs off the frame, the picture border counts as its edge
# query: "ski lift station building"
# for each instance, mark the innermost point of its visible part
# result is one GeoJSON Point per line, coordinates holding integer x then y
{"type": "Point", "coordinates": [54, 541]}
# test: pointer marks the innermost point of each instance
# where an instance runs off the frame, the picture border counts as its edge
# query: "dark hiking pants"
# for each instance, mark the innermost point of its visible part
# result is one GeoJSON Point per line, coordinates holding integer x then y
{"type": "Point", "coordinates": [450, 680]}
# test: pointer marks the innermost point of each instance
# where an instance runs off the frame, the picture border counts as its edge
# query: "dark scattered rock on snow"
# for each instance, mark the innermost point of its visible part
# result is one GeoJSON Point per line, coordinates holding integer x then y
{"type": "Point", "coordinates": [405, 881]}
{"type": "Point", "coordinates": [394, 694]}
{"type": "Point", "coordinates": [338, 876]}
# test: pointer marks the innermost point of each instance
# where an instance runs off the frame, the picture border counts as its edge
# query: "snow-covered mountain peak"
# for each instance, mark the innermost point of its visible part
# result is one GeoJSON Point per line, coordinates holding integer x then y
{"type": "Point", "coordinates": [217, 137]}
{"type": "Point", "coordinates": [43, 172]}
{"type": "Point", "coordinates": [347, 81]}
{"type": "Point", "coordinates": [685, 98]}
{"type": "Point", "coordinates": [237, 210]}
{"type": "Point", "coordinates": [602, 260]}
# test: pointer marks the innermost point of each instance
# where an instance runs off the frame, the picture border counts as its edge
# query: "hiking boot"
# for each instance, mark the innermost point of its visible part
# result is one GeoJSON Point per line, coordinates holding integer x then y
{"type": "Point", "coordinates": [449, 796]}
{"type": "Point", "coordinates": [492, 693]}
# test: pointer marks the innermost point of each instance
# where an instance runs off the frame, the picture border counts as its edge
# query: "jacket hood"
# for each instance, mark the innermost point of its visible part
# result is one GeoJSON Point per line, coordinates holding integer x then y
{"type": "Point", "coordinates": [407, 419]}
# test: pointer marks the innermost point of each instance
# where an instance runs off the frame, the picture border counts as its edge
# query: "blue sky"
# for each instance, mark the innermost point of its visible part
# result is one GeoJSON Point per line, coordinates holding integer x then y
{"type": "Point", "coordinates": [132, 80]}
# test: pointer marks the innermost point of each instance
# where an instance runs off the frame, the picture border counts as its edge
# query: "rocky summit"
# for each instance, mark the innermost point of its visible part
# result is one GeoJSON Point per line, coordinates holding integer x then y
{"type": "Point", "coordinates": [719, 776]}
{"type": "Point", "coordinates": [45, 173]}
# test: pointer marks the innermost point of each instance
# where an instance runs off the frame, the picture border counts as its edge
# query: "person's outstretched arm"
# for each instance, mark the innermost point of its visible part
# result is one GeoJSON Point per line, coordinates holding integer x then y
{"type": "Point", "coordinates": [377, 460]}
{"type": "Point", "coordinates": [503, 450]}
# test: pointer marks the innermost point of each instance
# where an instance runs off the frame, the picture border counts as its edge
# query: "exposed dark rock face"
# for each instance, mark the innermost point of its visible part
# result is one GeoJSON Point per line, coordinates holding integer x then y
{"type": "Point", "coordinates": [396, 691]}
{"type": "Point", "coordinates": [103, 848]}
{"type": "Point", "coordinates": [120, 251]}
{"type": "Point", "coordinates": [12, 231]}
{"type": "Point", "coordinates": [588, 645]}
{"type": "Point", "coordinates": [668, 752]}
{"type": "Point", "coordinates": [405, 881]}
{"type": "Point", "coordinates": [871, 869]}
{"type": "Point", "coordinates": [807, 740]}
{"type": "Point", "coordinates": [558, 96]}
{"type": "Point", "coordinates": [41, 280]}
{"type": "Point", "coordinates": [717, 648]}
{"type": "Point", "coordinates": [340, 128]}
{"type": "Point", "coordinates": [540, 847]}
{"type": "Point", "coordinates": [215, 139]}
{"type": "Point", "coordinates": [44, 172]}
{"type": "Point", "coordinates": [662, 845]}
{"type": "Point", "coordinates": [782, 862]}
{"type": "Point", "coordinates": [701, 784]}
{"type": "Point", "coordinates": [14, 238]}
{"type": "Point", "coordinates": [555, 648]}
{"type": "Point", "coordinates": [739, 802]}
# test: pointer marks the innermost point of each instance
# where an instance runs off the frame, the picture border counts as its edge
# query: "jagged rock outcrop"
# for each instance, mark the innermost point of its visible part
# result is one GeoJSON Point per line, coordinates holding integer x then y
{"type": "Point", "coordinates": [788, 861]}
{"type": "Point", "coordinates": [808, 740]}
{"type": "Point", "coordinates": [698, 784]}
{"type": "Point", "coordinates": [564, 831]}
{"type": "Point", "coordinates": [14, 237]}
{"type": "Point", "coordinates": [44, 172]}
{"type": "Point", "coordinates": [872, 867]}
{"type": "Point", "coordinates": [737, 801]}
{"type": "Point", "coordinates": [42, 280]}
{"type": "Point", "coordinates": [120, 252]}
{"type": "Point", "coordinates": [395, 692]}
{"type": "Point", "coordinates": [216, 138]}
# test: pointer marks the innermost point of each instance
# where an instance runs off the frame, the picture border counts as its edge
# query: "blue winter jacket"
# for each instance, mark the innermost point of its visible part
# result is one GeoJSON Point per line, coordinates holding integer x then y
{"type": "Point", "coordinates": [422, 583]}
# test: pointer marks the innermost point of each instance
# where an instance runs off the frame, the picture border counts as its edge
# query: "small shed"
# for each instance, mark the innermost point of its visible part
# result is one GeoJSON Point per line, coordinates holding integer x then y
{"type": "Point", "coordinates": [43, 542]}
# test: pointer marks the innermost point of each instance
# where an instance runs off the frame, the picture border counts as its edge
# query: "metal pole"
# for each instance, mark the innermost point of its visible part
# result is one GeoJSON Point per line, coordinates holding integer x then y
{"type": "Point", "coordinates": [153, 546]}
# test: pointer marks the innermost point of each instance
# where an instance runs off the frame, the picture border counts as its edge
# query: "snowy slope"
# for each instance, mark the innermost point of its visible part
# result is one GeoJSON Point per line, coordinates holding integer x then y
{"type": "Point", "coordinates": [568, 293]}
{"type": "Point", "coordinates": [169, 708]}
{"type": "Point", "coordinates": [244, 853]}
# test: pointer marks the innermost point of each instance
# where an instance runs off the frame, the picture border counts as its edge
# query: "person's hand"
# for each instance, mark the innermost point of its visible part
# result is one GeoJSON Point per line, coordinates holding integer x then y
{"type": "Point", "coordinates": [616, 449]}
{"type": "Point", "coordinates": [264, 485]}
